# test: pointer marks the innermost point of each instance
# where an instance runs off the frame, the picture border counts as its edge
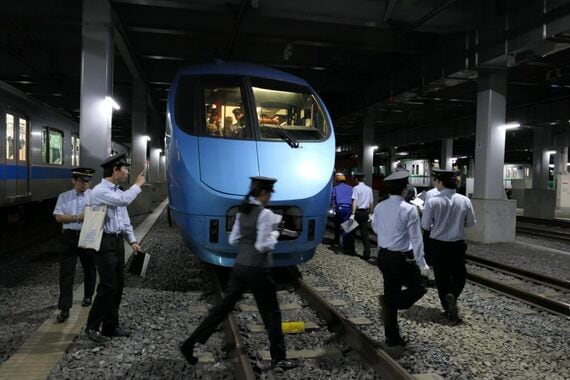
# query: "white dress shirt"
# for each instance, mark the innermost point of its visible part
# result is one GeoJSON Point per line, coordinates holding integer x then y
{"type": "Point", "coordinates": [362, 194]}
{"type": "Point", "coordinates": [397, 225]}
{"type": "Point", "coordinates": [264, 241]}
{"type": "Point", "coordinates": [116, 200]}
{"type": "Point", "coordinates": [447, 214]}
{"type": "Point", "coordinates": [72, 203]}
{"type": "Point", "coordinates": [431, 193]}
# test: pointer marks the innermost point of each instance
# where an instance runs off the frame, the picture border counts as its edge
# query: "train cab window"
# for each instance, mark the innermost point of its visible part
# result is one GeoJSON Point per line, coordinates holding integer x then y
{"type": "Point", "coordinates": [52, 146]}
{"type": "Point", "coordinates": [23, 137]}
{"type": "Point", "coordinates": [75, 150]}
{"type": "Point", "coordinates": [10, 141]}
{"type": "Point", "coordinates": [286, 110]}
{"type": "Point", "coordinates": [224, 114]}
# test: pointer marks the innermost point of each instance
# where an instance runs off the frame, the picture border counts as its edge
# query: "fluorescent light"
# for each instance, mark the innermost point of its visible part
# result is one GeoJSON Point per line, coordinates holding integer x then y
{"type": "Point", "coordinates": [374, 147]}
{"type": "Point", "coordinates": [110, 101]}
{"type": "Point", "coordinates": [550, 152]}
{"type": "Point", "coordinates": [147, 137]}
{"type": "Point", "coordinates": [510, 126]}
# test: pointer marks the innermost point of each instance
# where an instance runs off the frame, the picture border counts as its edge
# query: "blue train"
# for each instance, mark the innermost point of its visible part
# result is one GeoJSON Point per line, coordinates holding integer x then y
{"type": "Point", "coordinates": [229, 121]}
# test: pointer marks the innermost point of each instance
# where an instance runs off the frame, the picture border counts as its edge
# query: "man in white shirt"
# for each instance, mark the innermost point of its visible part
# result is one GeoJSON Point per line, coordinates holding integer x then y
{"type": "Point", "coordinates": [400, 254]}
{"type": "Point", "coordinates": [361, 211]}
{"type": "Point", "coordinates": [446, 215]}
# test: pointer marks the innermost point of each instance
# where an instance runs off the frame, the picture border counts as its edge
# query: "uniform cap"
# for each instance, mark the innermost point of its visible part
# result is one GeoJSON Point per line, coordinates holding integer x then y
{"type": "Point", "coordinates": [264, 183]}
{"type": "Point", "coordinates": [441, 173]}
{"type": "Point", "coordinates": [84, 174]}
{"type": "Point", "coordinates": [399, 175]}
{"type": "Point", "coordinates": [340, 177]}
{"type": "Point", "coordinates": [116, 160]}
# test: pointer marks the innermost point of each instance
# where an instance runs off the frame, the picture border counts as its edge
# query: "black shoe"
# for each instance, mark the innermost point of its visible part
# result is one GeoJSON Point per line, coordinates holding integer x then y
{"type": "Point", "coordinates": [95, 336]}
{"type": "Point", "coordinates": [284, 364]}
{"type": "Point", "coordinates": [452, 306]}
{"type": "Point", "coordinates": [62, 316]}
{"type": "Point", "coordinates": [86, 301]}
{"type": "Point", "coordinates": [396, 342]}
{"type": "Point", "coordinates": [115, 332]}
{"type": "Point", "coordinates": [187, 350]}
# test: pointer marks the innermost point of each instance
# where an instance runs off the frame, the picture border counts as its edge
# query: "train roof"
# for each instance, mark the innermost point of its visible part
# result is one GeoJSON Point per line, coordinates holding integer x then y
{"type": "Point", "coordinates": [241, 68]}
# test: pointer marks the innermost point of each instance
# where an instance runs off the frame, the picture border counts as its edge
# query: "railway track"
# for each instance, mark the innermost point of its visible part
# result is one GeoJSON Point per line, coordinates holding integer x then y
{"type": "Point", "coordinates": [555, 229]}
{"type": "Point", "coordinates": [532, 288]}
{"type": "Point", "coordinates": [375, 354]}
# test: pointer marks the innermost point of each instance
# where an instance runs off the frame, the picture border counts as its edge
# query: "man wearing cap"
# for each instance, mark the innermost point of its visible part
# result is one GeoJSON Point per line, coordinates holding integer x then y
{"type": "Point", "coordinates": [341, 201]}
{"type": "Point", "coordinates": [69, 211]}
{"type": "Point", "coordinates": [446, 215]}
{"type": "Point", "coordinates": [110, 259]}
{"type": "Point", "coordinates": [255, 233]}
{"type": "Point", "coordinates": [361, 212]}
{"type": "Point", "coordinates": [400, 254]}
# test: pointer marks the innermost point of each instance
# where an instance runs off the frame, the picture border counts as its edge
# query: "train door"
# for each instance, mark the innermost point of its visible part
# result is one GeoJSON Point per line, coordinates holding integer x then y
{"type": "Point", "coordinates": [17, 156]}
{"type": "Point", "coordinates": [228, 152]}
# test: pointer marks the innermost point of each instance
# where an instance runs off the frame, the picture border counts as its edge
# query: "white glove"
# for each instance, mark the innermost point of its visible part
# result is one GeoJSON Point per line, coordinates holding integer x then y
{"type": "Point", "coordinates": [370, 217]}
{"type": "Point", "coordinates": [275, 234]}
{"type": "Point", "coordinates": [425, 271]}
{"type": "Point", "coordinates": [351, 217]}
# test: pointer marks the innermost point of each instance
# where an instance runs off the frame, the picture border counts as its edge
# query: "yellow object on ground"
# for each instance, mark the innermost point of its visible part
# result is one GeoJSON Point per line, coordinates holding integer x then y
{"type": "Point", "coordinates": [293, 327]}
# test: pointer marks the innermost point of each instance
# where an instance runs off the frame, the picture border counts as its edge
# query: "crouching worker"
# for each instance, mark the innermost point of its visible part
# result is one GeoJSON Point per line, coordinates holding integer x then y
{"type": "Point", "coordinates": [400, 254]}
{"type": "Point", "coordinates": [254, 231]}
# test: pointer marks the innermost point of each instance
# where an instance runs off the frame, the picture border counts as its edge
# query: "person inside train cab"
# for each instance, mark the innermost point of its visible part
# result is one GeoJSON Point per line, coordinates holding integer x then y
{"type": "Point", "coordinates": [341, 201]}
{"type": "Point", "coordinates": [446, 215]}
{"type": "Point", "coordinates": [103, 320]}
{"type": "Point", "coordinates": [238, 128]}
{"type": "Point", "coordinates": [400, 254]}
{"type": "Point", "coordinates": [69, 211]}
{"type": "Point", "coordinates": [362, 200]}
{"type": "Point", "coordinates": [212, 122]}
{"type": "Point", "coordinates": [254, 231]}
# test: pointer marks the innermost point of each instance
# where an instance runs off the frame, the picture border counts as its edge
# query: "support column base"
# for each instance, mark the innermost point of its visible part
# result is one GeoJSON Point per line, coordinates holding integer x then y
{"type": "Point", "coordinates": [539, 203]}
{"type": "Point", "coordinates": [496, 221]}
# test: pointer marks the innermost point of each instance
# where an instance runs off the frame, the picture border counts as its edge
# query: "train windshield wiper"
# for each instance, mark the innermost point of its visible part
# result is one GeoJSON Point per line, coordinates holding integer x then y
{"type": "Point", "coordinates": [287, 136]}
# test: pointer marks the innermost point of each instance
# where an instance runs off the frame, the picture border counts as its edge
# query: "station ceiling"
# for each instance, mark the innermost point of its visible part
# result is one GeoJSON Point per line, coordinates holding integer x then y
{"type": "Point", "coordinates": [411, 65]}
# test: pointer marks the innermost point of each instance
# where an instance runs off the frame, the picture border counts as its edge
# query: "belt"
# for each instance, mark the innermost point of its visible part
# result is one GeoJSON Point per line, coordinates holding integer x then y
{"type": "Point", "coordinates": [117, 235]}
{"type": "Point", "coordinates": [361, 209]}
{"type": "Point", "coordinates": [344, 205]}
{"type": "Point", "coordinates": [404, 253]}
{"type": "Point", "coordinates": [71, 232]}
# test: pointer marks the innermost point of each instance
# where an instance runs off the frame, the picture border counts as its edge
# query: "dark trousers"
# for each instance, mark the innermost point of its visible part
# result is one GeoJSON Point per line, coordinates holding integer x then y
{"type": "Point", "coordinates": [427, 248]}
{"type": "Point", "coordinates": [67, 263]}
{"type": "Point", "coordinates": [110, 262]}
{"type": "Point", "coordinates": [259, 281]}
{"type": "Point", "coordinates": [449, 267]}
{"type": "Point", "coordinates": [361, 217]}
{"type": "Point", "coordinates": [398, 269]}
{"type": "Point", "coordinates": [341, 215]}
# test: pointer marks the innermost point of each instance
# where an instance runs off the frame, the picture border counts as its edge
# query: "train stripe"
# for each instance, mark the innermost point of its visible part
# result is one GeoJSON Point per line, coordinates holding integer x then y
{"type": "Point", "coordinates": [12, 172]}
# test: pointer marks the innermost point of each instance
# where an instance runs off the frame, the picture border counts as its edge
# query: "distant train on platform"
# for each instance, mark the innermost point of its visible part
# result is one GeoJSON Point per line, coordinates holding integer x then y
{"type": "Point", "coordinates": [40, 147]}
{"type": "Point", "coordinates": [227, 122]}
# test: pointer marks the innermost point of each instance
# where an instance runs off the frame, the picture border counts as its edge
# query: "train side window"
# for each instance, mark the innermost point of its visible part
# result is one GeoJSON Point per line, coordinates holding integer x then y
{"type": "Point", "coordinates": [23, 140]}
{"type": "Point", "coordinates": [10, 132]}
{"type": "Point", "coordinates": [224, 114]}
{"type": "Point", "coordinates": [75, 149]}
{"type": "Point", "coordinates": [52, 146]}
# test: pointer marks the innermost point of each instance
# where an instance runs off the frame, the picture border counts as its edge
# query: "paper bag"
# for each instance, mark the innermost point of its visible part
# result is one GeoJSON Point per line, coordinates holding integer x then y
{"type": "Point", "coordinates": [92, 228]}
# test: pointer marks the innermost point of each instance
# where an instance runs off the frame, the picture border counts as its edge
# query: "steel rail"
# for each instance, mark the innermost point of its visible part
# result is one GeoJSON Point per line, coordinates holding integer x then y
{"type": "Point", "coordinates": [241, 363]}
{"type": "Point", "coordinates": [377, 358]}
{"type": "Point", "coordinates": [519, 272]}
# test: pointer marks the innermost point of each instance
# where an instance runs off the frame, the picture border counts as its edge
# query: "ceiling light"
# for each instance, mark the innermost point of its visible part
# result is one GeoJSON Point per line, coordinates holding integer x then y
{"type": "Point", "coordinates": [110, 101]}
{"type": "Point", "coordinates": [510, 126]}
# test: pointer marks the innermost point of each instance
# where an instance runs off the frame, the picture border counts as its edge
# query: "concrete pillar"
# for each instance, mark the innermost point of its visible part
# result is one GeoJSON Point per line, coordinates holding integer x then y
{"type": "Point", "coordinates": [154, 168]}
{"type": "Point", "coordinates": [446, 154]}
{"type": "Point", "coordinates": [490, 137]}
{"type": "Point", "coordinates": [393, 159]}
{"type": "Point", "coordinates": [561, 160]}
{"type": "Point", "coordinates": [162, 168]}
{"type": "Point", "coordinates": [367, 156]}
{"type": "Point", "coordinates": [142, 204]}
{"type": "Point", "coordinates": [96, 84]}
{"type": "Point", "coordinates": [540, 158]}
{"type": "Point", "coordinates": [496, 216]}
